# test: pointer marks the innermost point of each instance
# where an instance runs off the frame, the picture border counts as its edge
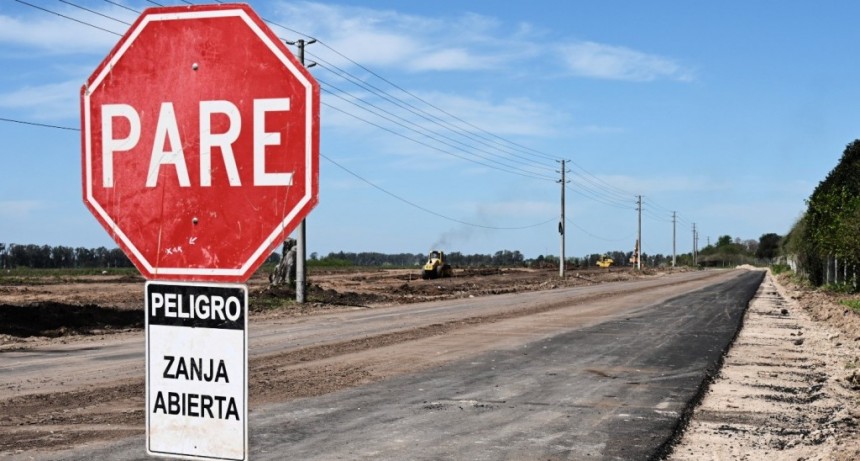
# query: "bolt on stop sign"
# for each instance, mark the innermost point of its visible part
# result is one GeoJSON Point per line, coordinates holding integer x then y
{"type": "Point", "coordinates": [200, 139]}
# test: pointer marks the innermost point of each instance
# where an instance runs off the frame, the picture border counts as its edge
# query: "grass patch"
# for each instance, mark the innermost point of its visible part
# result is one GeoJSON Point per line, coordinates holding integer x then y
{"type": "Point", "coordinates": [67, 272]}
{"type": "Point", "coordinates": [854, 304]}
{"type": "Point", "coordinates": [265, 303]}
{"type": "Point", "coordinates": [329, 262]}
{"type": "Point", "coordinates": [777, 269]}
{"type": "Point", "coordinates": [30, 276]}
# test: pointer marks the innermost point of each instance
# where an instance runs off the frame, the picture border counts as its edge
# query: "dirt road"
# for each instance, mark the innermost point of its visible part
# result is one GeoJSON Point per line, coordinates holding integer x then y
{"type": "Point", "coordinates": [57, 396]}
{"type": "Point", "coordinates": [318, 370]}
{"type": "Point", "coordinates": [84, 361]}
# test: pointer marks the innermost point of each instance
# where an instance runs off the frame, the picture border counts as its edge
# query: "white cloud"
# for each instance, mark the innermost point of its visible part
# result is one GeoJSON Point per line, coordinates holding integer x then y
{"type": "Point", "coordinates": [516, 116]}
{"type": "Point", "coordinates": [469, 42]}
{"type": "Point", "coordinates": [371, 37]}
{"type": "Point", "coordinates": [449, 59]}
{"type": "Point", "coordinates": [372, 48]}
{"type": "Point", "coordinates": [513, 118]}
{"type": "Point", "coordinates": [386, 38]}
{"type": "Point", "coordinates": [590, 59]}
{"type": "Point", "coordinates": [51, 101]}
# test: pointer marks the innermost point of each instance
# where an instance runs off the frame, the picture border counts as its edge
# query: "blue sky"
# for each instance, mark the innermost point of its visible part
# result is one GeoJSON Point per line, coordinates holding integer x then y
{"type": "Point", "coordinates": [728, 113]}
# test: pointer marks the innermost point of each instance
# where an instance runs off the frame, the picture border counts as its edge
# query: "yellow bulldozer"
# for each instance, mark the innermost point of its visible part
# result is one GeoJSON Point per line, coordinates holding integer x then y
{"type": "Point", "coordinates": [436, 266]}
{"type": "Point", "coordinates": [605, 261]}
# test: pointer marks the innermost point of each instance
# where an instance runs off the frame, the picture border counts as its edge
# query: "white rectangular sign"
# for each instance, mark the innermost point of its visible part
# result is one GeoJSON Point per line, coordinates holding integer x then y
{"type": "Point", "coordinates": [197, 370]}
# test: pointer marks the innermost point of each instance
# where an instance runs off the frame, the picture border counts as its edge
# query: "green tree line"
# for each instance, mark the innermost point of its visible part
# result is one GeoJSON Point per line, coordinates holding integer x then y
{"type": "Point", "coordinates": [726, 252]}
{"type": "Point", "coordinates": [60, 257]}
{"type": "Point", "coordinates": [455, 258]}
{"type": "Point", "coordinates": [824, 244]}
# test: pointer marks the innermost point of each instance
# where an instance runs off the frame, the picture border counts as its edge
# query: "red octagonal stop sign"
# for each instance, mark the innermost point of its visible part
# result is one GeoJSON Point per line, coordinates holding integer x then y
{"type": "Point", "coordinates": [200, 143]}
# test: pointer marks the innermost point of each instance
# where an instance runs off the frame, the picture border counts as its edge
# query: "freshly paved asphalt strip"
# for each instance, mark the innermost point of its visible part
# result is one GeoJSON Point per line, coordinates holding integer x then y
{"type": "Point", "coordinates": [614, 390]}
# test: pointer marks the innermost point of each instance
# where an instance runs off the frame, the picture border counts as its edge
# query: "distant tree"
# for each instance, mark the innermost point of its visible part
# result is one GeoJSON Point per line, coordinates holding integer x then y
{"type": "Point", "coordinates": [750, 246]}
{"type": "Point", "coordinates": [551, 260]}
{"type": "Point", "coordinates": [684, 259]}
{"type": "Point", "coordinates": [508, 258]}
{"type": "Point", "coordinates": [118, 259]}
{"type": "Point", "coordinates": [728, 252]}
{"type": "Point", "coordinates": [62, 256]}
{"type": "Point", "coordinates": [768, 246]}
{"type": "Point", "coordinates": [619, 258]}
{"type": "Point", "coordinates": [724, 240]}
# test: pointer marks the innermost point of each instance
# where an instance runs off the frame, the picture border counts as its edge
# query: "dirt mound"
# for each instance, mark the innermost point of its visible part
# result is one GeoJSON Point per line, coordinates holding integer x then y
{"type": "Point", "coordinates": [825, 307]}
{"type": "Point", "coordinates": [55, 319]}
{"type": "Point", "coordinates": [277, 296]}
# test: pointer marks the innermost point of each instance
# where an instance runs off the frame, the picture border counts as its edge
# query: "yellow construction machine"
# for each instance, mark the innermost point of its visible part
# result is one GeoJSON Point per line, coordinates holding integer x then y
{"type": "Point", "coordinates": [436, 266]}
{"type": "Point", "coordinates": [605, 261]}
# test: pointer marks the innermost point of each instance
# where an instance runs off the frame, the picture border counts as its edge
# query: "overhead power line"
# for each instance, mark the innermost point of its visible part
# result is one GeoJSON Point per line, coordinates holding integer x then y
{"type": "Point", "coordinates": [122, 6]}
{"type": "Point", "coordinates": [595, 186]}
{"type": "Point", "coordinates": [447, 140]}
{"type": "Point", "coordinates": [435, 107]}
{"type": "Point", "coordinates": [493, 163]}
{"type": "Point", "coordinates": [599, 237]}
{"type": "Point", "coordinates": [488, 165]}
{"type": "Point", "coordinates": [68, 17]}
{"type": "Point", "coordinates": [44, 125]}
{"type": "Point", "coordinates": [588, 191]}
{"type": "Point", "coordinates": [496, 148]}
{"type": "Point", "coordinates": [664, 214]}
{"type": "Point", "coordinates": [95, 12]}
{"type": "Point", "coordinates": [426, 210]}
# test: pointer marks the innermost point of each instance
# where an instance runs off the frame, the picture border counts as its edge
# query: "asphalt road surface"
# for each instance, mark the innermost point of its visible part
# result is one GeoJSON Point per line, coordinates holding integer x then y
{"type": "Point", "coordinates": [603, 376]}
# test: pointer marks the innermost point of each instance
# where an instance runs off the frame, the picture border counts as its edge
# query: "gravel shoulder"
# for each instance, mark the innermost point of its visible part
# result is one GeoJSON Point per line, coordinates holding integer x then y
{"type": "Point", "coordinates": [789, 387]}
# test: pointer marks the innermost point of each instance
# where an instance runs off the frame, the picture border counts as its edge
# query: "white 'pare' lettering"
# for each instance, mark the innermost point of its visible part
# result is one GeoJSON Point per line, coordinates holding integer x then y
{"type": "Point", "coordinates": [167, 132]}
